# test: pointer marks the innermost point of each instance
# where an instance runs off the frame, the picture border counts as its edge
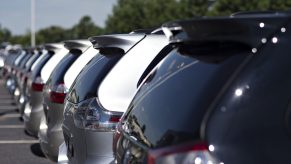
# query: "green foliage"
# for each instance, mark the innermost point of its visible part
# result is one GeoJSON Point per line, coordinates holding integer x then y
{"type": "Point", "coordinates": [21, 39]}
{"type": "Point", "coordinates": [128, 15]}
{"type": "Point", "coordinates": [5, 34]}
{"type": "Point", "coordinates": [84, 29]}
{"type": "Point", "coordinates": [50, 35]}
{"type": "Point", "coordinates": [227, 7]}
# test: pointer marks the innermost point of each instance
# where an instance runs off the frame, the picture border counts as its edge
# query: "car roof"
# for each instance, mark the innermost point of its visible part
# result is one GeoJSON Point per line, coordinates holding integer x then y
{"type": "Point", "coordinates": [81, 45]}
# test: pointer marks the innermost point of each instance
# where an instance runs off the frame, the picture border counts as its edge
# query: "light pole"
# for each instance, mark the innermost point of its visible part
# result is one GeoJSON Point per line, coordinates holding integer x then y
{"type": "Point", "coordinates": [32, 21]}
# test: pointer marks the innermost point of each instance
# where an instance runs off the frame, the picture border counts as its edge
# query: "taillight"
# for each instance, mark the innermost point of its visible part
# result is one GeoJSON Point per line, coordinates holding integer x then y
{"type": "Point", "coordinates": [38, 84]}
{"type": "Point", "coordinates": [89, 115]}
{"type": "Point", "coordinates": [197, 153]}
{"type": "Point", "coordinates": [58, 93]}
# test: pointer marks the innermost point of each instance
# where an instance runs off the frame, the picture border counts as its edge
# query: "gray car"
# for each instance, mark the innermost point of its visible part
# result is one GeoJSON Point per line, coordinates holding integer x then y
{"type": "Point", "coordinates": [23, 81]}
{"type": "Point", "coordinates": [91, 114]}
{"type": "Point", "coordinates": [41, 70]}
{"type": "Point", "coordinates": [8, 67]}
{"type": "Point", "coordinates": [19, 72]}
{"type": "Point", "coordinates": [54, 92]}
{"type": "Point", "coordinates": [12, 77]}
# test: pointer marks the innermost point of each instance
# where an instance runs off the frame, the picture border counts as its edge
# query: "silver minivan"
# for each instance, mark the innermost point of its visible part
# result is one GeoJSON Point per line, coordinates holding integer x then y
{"type": "Point", "coordinates": [54, 92]}
{"type": "Point", "coordinates": [90, 121]}
{"type": "Point", "coordinates": [41, 71]}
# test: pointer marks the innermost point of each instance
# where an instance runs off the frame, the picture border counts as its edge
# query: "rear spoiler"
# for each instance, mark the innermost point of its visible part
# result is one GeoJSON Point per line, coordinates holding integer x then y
{"type": "Point", "coordinates": [53, 47]}
{"type": "Point", "coordinates": [79, 45]}
{"type": "Point", "coordinates": [251, 30]}
{"type": "Point", "coordinates": [112, 44]}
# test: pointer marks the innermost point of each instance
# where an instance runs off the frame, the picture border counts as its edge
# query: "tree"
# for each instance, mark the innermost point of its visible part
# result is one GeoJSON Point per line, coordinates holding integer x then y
{"type": "Point", "coordinates": [21, 39]}
{"type": "Point", "coordinates": [5, 34]}
{"type": "Point", "coordinates": [227, 7]}
{"type": "Point", "coordinates": [126, 15]}
{"type": "Point", "coordinates": [84, 29]}
{"type": "Point", "coordinates": [129, 15]}
{"type": "Point", "coordinates": [51, 34]}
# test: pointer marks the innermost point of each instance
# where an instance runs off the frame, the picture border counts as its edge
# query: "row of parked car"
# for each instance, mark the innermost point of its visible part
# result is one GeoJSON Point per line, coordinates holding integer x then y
{"type": "Point", "coordinates": [206, 90]}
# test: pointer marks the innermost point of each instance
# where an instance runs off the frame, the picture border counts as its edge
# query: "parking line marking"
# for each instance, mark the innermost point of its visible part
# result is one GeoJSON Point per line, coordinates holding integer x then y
{"type": "Point", "coordinates": [11, 126]}
{"type": "Point", "coordinates": [2, 102]}
{"type": "Point", "coordinates": [10, 115]}
{"type": "Point", "coordinates": [18, 141]}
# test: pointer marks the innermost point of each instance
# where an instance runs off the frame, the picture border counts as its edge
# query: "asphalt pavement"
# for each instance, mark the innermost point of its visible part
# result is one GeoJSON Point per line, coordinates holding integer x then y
{"type": "Point", "coordinates": [16, 147]}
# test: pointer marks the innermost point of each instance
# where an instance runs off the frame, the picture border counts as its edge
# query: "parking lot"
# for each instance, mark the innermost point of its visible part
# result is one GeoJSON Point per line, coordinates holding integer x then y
{"type": "Point", "coordinates": [15, 145]}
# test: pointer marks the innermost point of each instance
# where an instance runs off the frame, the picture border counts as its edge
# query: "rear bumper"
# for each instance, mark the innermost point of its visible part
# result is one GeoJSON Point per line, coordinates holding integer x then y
{"type": "Point", "coordinates": [33, 113]}
{"type": "Point", "coordinates": [62, 156]}
{"type": "Point", "coordinates": [50, 139]}
{"type": "Point", "coordinates": [32, 121]}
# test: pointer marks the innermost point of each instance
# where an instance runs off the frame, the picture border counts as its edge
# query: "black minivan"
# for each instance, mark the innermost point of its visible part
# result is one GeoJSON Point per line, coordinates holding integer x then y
{"type": "Point", "coordinates": [222, 95]}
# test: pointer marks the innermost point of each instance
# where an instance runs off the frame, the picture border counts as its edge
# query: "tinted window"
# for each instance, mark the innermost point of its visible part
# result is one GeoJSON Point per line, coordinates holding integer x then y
{"type": "Point", "coordinates": [78, 65]}
{"type": "Point", "coordinates": [39, 64]}
{"type": "Point", "coordinates": [24, 60]}
{"type": "Point", "coordinates": [44, 55]}
{"type": "Point", "coordinates": [51, 64]}
{"type": "Point", "coordinates": [169, 106]}
{"type": "Point", "coordinates": [9, 59]}
{"type": "Point", "coordinates": [61, 68]}
{"type": "Point", "coordinates": [31, 61]}
{"type": "Point", "coordinates": [250, 124]}
{"type": "Point", "coordinates": [85, 85]}
{"type": "Point", "coordinates": [19, 58]}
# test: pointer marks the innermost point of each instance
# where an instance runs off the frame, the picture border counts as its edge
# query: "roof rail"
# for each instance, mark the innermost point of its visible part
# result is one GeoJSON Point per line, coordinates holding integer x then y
{"type": "Point", "coordinates": [110, 44]}
{"type": "Point", "coordinates": [252, 31]}
{"type": "Point", "coordinates": [81, 45]}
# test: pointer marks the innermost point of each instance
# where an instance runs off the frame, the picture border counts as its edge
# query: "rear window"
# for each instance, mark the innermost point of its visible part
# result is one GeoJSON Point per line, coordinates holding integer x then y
{"type": "Point", "coordinates": [31, 61]}
{"type": "Point", "coordinates": [51, 64]}
{"type": "Point", "coordinates": [85, 85]}
{"type": "Point", "coordinates": [39, 60]}
{"type": "Point", "coordinates": [37, 69]}
{"type": "Point", "coordinates": [78, 65]}
{"type": "Point", "coordinates": [58, 73]}
{"type": "Point", "coordinates": [19, 58]}
{"type": "Point", "coordinates": [171, 103]}
{"type": "Point", "coordinates": [25, 59]}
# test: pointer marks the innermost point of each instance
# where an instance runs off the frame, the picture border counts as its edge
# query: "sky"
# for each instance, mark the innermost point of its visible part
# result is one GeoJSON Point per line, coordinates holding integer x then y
{"type": "Point", "coordinates": [15, 14]}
